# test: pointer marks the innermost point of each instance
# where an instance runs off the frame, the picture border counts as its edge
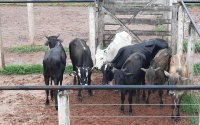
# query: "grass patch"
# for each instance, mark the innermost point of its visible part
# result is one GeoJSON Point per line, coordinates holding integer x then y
{"type": "Point", "coordinates": [197, 47]}
{"type": "Point", "coordinates": [196, 68]}
{"type": "Point", "coordinates": [27, 69]}
{"type": "Point", "coordinates": [192, 4]}
{"type": "Point", "coordinates": [159, 27]}
{"type": "Point", "coordinates": [191, 110]}
{"type": "Point", "coordinates": [29, 49]}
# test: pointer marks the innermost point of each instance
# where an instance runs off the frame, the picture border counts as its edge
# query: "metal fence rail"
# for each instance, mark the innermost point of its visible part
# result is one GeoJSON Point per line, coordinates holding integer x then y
{"type": "Point", "coordinates": [102, 87]}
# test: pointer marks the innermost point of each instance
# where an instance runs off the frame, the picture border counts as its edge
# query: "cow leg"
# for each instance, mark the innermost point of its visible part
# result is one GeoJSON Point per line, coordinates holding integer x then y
{"type": "Point", "coordinates": [143, 95]}
{"type": "Point", "coordinates": [149, 93]}
{"type": "Point", "coordinates": [130, 113]}
{"type": "Point", "coordinates": [138, 96]}
{"type": "Point", "coordinates": [89, 82]}
{"type": "Point", "coordinates": [51, 92]}
{"type": "Point", "coordinates": [56, 81]}
{"type": "Point", "coordinates": [178, 118]}
{"type": "Point", "coordinates": [75, 80]}
{"type": "Point", "coordinates": [122, 102]}
{"type": "Point", "coordinates": [173, 109]}
{"type": "Point", "coordinates": [79, 96]}
{"type": "Point", "coordinates": [47, 91]}
{"type": "Point", "coordinates": [160, 92]}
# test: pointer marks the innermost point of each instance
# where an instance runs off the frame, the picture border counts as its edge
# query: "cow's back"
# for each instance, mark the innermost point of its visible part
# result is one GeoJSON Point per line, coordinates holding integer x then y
{"type": "Point", "coordinates": [80, 53]}
{"type": "Point", "coordinates": [148, 48]}
{"type": "Point", "coordinates": [121, 39]}
{"type": "Point", "coordinates": [178, 62]}
{"type": "Point", "coordinates": [133, 65]}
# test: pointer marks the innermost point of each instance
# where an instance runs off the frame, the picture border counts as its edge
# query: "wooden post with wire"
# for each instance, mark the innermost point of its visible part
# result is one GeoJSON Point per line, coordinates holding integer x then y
{"type": "Point", "coordinates": [31, 23]}
{"type": "Point", "coordinates": [2, 61]}
{"type": "Point", "coordinates": [63, 108]}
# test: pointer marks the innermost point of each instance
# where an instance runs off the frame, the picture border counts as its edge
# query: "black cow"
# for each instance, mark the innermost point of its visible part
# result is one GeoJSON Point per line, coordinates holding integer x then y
{"type": "Point", "coordinates": [80, 56]}
{"type": "Point", "coordinates": [148, 48]}
{"type": "Point", "coordinates": [54, 65]}
{"type": "Point", "coordinates": [130, 74]}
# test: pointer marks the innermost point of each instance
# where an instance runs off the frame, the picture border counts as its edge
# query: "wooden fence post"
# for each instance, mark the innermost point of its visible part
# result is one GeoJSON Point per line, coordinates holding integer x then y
{"type": "Point", "coordinates": [92, 31]}
{"type": "Point", "coordinates": [2, 61]}
{"type": "Point", "coordinates": [31, 23]}
{"type": "Point", "coordinates": [180, 31]}
{"type": "Point", "coordinates": [174, 28]}
{"type": "Point", "coordinates": [100, 24]}
{"type": "Point", "coordinates": [63, 108]}
{"type": "Point", "coordinates": [190, 52]}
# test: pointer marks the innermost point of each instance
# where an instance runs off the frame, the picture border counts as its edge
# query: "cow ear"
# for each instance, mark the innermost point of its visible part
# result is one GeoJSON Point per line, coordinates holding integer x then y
{"type": "Point", "coordinates": [143, 69]}
{"type": "Point", "coordinates": [157, 69]}
{"type": "Point", "coordinates": [47, 37]}
{"type": "Point", "coordinates": [57, 36]}
{"type": "Point", "coordinates": [77, 67]}
{"type": "Point", "coordinates": [166, 73]}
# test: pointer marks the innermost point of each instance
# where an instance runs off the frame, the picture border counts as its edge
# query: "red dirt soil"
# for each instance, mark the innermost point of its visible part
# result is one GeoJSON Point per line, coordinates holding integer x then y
{"type": "Point", "coordinates": [27, 107]}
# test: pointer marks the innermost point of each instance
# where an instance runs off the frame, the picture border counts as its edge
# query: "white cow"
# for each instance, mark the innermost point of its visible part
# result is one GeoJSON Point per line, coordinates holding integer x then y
{"type": "Point", "coordinates": [107, 55]}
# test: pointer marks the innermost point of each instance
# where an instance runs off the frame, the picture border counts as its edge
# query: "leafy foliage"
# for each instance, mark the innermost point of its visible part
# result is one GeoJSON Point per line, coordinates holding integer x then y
{"type": "Point", "coordinates": [197, 47]}
{"type": "Point", "coordinates": [190, 109]}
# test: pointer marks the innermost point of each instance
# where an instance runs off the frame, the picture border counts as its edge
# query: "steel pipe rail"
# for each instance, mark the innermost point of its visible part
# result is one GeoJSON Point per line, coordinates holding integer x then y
{"type": "Point", "coordinates": [190, 16]}
{"type": "Point", "coordinates": [43, 1]}
{"type": "Point", "coordinates": [102, 87]}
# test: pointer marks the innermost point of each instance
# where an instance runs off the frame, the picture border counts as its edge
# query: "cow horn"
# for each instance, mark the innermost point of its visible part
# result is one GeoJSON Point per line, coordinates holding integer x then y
{"type": "Point", "coordinates": [57, 35]}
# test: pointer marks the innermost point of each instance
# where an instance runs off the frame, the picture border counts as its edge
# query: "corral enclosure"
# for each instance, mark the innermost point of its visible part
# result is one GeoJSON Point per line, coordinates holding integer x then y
{"type": "Point", "coordinates": [27, 107]}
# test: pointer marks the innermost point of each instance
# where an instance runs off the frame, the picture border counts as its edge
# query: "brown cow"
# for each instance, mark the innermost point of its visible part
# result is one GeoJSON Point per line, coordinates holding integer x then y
{"type": "Point", "coordinates": [154, 75]}
{"type": "Point", "coordinates": [177, 76]}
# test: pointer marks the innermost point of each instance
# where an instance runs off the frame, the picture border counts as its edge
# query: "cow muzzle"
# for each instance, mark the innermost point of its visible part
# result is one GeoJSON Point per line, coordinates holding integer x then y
{"type": "Point", "coordinates": [171, 92]}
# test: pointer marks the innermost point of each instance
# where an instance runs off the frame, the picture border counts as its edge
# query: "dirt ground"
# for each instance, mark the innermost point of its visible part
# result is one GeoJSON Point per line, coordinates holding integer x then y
{"type": "Point", "coordinates": [27, 107]}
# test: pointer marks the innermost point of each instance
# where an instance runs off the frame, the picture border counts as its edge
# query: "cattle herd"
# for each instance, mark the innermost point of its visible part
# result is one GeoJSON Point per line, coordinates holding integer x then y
{"type": "Point", "coordinates": [122, 62]}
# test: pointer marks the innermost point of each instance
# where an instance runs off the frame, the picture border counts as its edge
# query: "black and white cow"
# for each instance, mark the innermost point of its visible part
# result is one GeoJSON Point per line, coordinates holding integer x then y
{"type": "Point", "coordinates": [148, 48]}
{"type": "Point", "coordinates": [54, 63]}
{"type": "Point", "coordinates": [130, 74]}
{"type": "Point", "coordinates": [80, 56]}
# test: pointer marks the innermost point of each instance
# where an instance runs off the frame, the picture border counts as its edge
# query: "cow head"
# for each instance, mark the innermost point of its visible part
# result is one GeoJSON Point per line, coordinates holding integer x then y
{"type": "Point", "coordinates": [100, 58]}
{"type": "Point", "coordinates": [83, 74]}
{"type": "Point", "coordinates": [119, 76]}
{"type": "Point", "coordinates": [150, 74]}
{"type": "Point", "coordinates": [175, 79]}
{"type": "Point", "coordinates": [106, 69]}
{"type": "Point", "coordinates": [52, 41]}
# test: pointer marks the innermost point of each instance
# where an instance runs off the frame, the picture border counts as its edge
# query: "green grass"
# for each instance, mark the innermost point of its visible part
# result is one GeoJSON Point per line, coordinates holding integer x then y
{"type": "Point", "coordinates": [29, 49]}
{"type": "Point", "coordinates": [197, 69]}
{"type": "Point", "coordinates": [191, 110]}
{"type": "Point", "coordinates": [27, 69]}
{"type": "Point", "coordinates": [192, 4]}
{"type": "Point", "coordinates": [159, 27]}
{"type": "Point", "coordinates": [197, 47]}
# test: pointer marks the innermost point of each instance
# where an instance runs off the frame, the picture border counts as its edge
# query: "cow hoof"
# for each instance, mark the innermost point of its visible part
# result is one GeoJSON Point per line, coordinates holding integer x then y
{"type": "Point", "coordinates": [90, 94]}
{"type": "Point", "coordinates": [47, 104]}
{"type": "Point", "coordinates": [172, 120]}
{"type": "Point", "coordinates": [121, 112]}
{"type": "Point", "coordinates": [79, 99]}
{"type": "Point", "coordinates": [130, 113]}
{"type": "Point", "coordinates": [178, 119]}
